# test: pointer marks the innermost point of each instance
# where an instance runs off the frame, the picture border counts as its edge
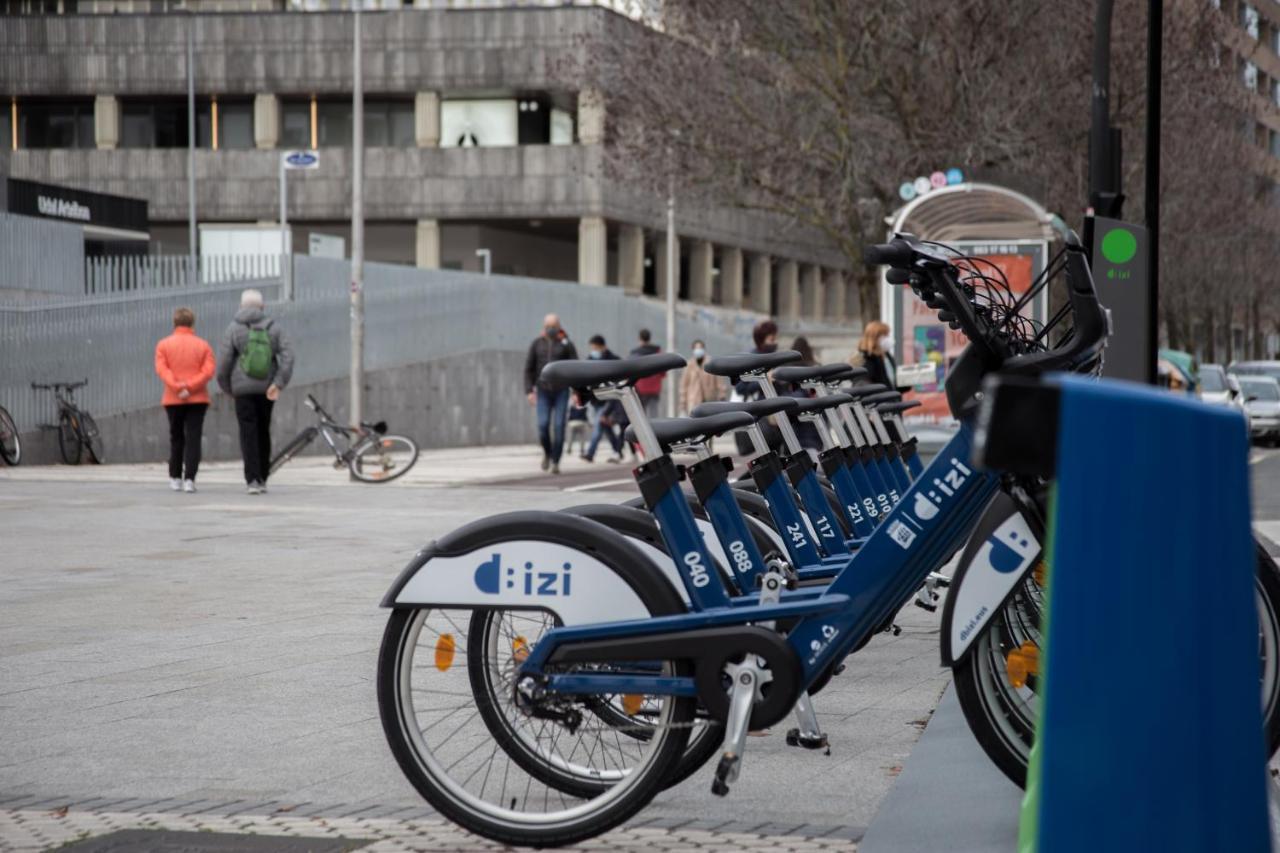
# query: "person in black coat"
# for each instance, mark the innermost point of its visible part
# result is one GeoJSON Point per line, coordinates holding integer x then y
{"type": "Point", "coordinates": [552, 406]}
{"type": "Point", "coordinates": [875, 353]}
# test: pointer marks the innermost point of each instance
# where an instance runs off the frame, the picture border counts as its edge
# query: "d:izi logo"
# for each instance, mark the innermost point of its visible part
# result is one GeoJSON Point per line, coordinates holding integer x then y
{"type": "Point", "coordinates": [492, 579]}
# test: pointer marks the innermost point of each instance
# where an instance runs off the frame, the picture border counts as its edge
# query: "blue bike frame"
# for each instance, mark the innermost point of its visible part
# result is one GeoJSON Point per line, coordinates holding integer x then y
{"type": "Point", "coordinates": [920, 533]}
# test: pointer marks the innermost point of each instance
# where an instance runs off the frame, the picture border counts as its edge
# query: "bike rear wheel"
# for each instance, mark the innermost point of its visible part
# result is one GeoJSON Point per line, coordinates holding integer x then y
{"type": "Point", "coordinates": [383, 459]}
{"type": "Point", "coordinates": [91, 438]}
{"type": "Point", "coordinates": [10, 443]}
{"type": "Point", "coordinates": [435, 723]}
{"type": "Point", "coordinates": [69, 438]}
{"type": "Point", "coordinates": [293, 448]}
{"type": "Point", "coordinates": [1003, 716]}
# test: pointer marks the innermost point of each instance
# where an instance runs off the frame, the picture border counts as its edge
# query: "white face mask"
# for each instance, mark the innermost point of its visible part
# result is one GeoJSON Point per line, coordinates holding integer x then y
{"type": "Point", "coordinates": [885, 343]}
{"type": "Point", "coordinates": [699, 352]}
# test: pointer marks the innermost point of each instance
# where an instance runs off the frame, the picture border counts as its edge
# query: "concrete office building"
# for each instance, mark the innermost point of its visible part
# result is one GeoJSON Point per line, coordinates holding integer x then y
{"type": "Point", "coordinates": [482, 132]}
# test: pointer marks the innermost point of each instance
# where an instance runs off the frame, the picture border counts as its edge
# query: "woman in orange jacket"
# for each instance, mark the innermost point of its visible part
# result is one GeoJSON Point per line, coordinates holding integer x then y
{"type": "Point", "coordinates": [185, 364]}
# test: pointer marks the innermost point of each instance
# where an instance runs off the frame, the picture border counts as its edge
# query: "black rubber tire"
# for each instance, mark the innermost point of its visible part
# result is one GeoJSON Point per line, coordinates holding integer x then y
{"type": "Point", "coordinates": [1011, 758]}
{"type": "Point", "coordinates": [91, 438]}
{"type": "Point", "coordinates": [357, 470]}
{"type": "Point", "coordinates": [69, 439]}
{"type": "Point", "coordinates": [10, 441]}
{"type": "Point", "coordinates": [293, 448]}
{"type": "Point", "coordinates": [552, 835]}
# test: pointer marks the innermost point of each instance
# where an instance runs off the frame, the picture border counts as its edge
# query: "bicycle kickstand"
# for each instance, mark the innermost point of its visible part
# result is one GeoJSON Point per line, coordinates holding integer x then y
{"type": "Point", "coordinates": [747, 678]}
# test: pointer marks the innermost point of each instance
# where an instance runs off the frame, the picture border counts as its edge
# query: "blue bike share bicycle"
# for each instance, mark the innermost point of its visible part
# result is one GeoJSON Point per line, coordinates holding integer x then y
{"type": "Point", "coordinates": [543, 675]}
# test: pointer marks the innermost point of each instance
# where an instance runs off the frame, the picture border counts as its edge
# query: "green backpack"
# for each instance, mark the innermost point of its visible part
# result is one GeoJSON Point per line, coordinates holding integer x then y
{"type": "Point", "coordinates": [255, 361]}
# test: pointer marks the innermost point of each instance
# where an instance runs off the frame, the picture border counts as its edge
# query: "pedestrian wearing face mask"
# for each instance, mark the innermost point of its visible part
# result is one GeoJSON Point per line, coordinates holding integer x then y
{"type": "Point", "coordinates": [607, 415]}
{"type": "Point", "coordinates": [696, 385]}
{"type": "Point", "coordinates": [552, 407]}
{"type": "Point", "coordinates": [875, 353]}
{"type": "Point", "coordinates": [765, 336]}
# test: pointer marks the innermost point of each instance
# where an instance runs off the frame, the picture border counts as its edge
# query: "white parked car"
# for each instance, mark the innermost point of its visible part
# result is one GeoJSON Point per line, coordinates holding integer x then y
{"type": "Point", "coordinates": [1219, 388]}
{"type": "Point", "coordinates": [1262, 400]}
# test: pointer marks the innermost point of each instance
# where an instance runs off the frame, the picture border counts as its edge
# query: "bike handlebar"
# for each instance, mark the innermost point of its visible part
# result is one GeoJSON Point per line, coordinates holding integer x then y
{"type": "Point", "coordinates": [53, 386]}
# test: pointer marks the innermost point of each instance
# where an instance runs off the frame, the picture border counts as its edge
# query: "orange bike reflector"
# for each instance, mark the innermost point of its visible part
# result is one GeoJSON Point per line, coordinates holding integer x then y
{"type": "Point", "coordinates": [445, 648]}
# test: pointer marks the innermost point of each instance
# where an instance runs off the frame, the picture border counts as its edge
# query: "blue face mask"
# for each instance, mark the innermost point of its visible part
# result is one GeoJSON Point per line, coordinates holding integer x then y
{"type": "Point", "coordinates": [595, 353]}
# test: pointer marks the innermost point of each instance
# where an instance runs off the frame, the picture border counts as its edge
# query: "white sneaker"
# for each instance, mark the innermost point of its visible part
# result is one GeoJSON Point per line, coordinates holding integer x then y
{"type": "Point", "coordinates": [253, 489]}
{"type": "Point", "coordinates": [175, 484]}
{"type": "Point", "coordinates": [188, 485]}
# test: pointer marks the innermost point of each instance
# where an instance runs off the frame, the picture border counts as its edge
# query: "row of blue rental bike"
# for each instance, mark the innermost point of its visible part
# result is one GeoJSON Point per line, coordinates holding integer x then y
{"type": "Point", "coordinates": [543, 675]}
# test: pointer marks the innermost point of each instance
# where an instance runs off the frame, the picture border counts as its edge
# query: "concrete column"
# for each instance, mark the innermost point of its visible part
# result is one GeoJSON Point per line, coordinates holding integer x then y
{"type": "Point", "coordinates": [631, 259]}
{"type": "Point", "coordinates": [106, 121]}
{"type": "Point", "coordinates": [852, 304]}
{"type": "Point", "coordinates": [701, 270]}
{"type": "Point", "coordinates": [426, 119]}
{"type": "Point", "coordinates": [835, 294]}
{"type": "Point", "coordinates": [731, 277]}
{"type": "Point", "coordinates": [593, 250]}
{"type": "Point", "coordinates": [590, 117]}
{"type": "Point", "coordinates": [761, 279]}
{"type": "Point", "coordinates": [811, 298]}
{"type": "Point", "coordinates": [788, 290]}
{"type": "Point", "coordinates": [660, 264]}
{"type": "Point", "coordinates": [266, 121]}
{"type": "Point", "coordinates": [427, 244]}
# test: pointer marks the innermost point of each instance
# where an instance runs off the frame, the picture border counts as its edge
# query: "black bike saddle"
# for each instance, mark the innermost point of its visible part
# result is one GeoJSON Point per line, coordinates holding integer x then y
{"type": "Point", "coordinates": [893, 408]}
{"type": "Point", "coordinates": [679, 430]}
{"type": "Point", "coordinates": [749, 363]}
{"type": "Point", "coordinates": [806, 373]}
{"type": "Point", "coordinates": [821, 404]}
{"type": "Point", "coordinates": [857, 392]}
{"type": "Point", "coordinates": [882, 397]}
{"type": "Point", "coordinates": [593, 374]}
{"type": "Point", "coordinates": [756, 408]}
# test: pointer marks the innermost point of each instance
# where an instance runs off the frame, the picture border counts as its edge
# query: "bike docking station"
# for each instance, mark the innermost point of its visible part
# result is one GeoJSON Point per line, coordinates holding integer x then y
{"type": "Point", "coordinates": [1149, 619]}
{"type": "Point", "coordinates": [1176, 653]}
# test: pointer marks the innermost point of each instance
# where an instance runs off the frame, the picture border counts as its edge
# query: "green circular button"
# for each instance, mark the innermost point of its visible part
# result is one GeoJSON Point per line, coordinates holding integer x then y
{"type": "Point", "coordinates": [1119, 246]}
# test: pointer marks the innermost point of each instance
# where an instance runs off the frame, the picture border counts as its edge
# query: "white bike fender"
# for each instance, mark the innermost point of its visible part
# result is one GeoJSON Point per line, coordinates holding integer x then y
{"type": "Point", "coordinates": [998, 566]}
{"type": "Point", "coordinates": [525, 573]}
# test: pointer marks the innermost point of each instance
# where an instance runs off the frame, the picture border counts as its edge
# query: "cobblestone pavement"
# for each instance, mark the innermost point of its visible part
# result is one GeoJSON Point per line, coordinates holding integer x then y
{"type": "Point", "coordinates": [23, 830]}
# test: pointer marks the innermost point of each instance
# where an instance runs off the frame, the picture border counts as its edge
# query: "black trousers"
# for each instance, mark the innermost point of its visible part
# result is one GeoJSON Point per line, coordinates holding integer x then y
{"type": "Point", "coordinates": [186, 423]}
{"type": "Point", "coordinates": [253, 411]}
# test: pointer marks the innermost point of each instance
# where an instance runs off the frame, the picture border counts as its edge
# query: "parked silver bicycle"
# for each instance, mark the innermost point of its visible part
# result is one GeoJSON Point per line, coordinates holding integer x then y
{"type": "Point", "coordinates": [368, 452]}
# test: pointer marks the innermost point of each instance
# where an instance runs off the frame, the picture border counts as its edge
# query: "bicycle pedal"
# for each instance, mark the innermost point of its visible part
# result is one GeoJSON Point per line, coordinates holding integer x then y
{"type": "Point", "coordinates": [895, 629]}
{"type": "Point", "coordinates": [932, 608]}
{"type": "Point", "coordinates": [726, 772]}
{"type": "Point", "coordinates": [808, 741]}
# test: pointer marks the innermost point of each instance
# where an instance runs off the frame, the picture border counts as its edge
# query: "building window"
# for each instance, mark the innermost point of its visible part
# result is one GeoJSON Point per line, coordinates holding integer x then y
{"type": "Point", "coordinates": [295, 123]}
{"type": "Point", "coordinates": [6, 125]}
{"type": "Point", "coordinates": [235, 124]}
{"type": "Point", "coordinates": [1273, 143]}
{"type": "Point", "coordinates": [333, 123]}
{"type": "Point", "coordinates": [56, 124]}
{"type": "Point", "coordinates": [478, 123]}
{"type": "Point", "coordinates": [388, 123]}
{"type": "Point", "coordinates": [1249, 19]}
{"type": "Point", "coordinates": [1249, 74]}
{"type": "Point", "coordinates": [162, 123]}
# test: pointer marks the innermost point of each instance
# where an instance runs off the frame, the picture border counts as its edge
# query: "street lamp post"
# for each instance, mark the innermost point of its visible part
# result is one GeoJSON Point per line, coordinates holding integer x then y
{"type": "Point", "coordinates": [192, 275]}
{"type": "Point", "coordinates": [672, 285]}
{"type": "Point", "coordinates": [357, 231]}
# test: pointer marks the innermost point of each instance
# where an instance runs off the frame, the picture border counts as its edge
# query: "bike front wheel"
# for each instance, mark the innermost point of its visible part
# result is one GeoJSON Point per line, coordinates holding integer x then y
{"type": "Point", "coordinates": [383, 459]}
{"type": "Point", "coordinates": [467, 745]}
{"type": "Point", "coordinates": [91, 438]}
{"type": "Point", "coordinates": [69, 439]}
{"type": "Point", "coordinates": [293, 448]}
{"type": "Point", "coordinates": [10, 444]}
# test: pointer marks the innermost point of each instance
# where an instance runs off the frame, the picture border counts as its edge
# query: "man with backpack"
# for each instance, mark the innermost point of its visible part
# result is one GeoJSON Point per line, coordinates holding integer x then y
{"type": "Point", "coordinates": [255, 363]}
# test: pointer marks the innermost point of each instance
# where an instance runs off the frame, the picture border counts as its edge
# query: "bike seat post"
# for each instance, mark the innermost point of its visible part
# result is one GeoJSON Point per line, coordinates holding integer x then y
{"type": "Point", "coordinates": [834, 424]}
{"type": "Point", "coordinates": [789, 438]}
{"type": "Point", "coordinates": [636, 414]}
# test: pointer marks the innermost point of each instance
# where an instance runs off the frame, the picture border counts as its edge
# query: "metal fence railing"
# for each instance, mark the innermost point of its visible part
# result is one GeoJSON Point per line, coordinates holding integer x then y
{"type": "Point", "coordinates": [411, 315]}
{"type": "Point", "coordinates": [108, 275]}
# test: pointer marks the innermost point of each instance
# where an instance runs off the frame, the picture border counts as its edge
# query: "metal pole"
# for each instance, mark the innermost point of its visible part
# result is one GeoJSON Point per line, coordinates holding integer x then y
{"type": "Point", "coordinates": [486, 259]}
{"type": "Point", "coordinates": [1151, 200]}
{"type": "Point", "coordinates": [191, 151]}
{"type": "Point", "coordinates": [286, 279]}
{"type": "Point", "coordinates": [357, 232]}
{"type": "Point", "coordinates": [672, 287]}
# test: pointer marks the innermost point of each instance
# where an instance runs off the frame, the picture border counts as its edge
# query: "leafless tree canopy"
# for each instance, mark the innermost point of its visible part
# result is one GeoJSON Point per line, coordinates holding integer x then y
{"type": "Point", "coordinates": [818, 109]}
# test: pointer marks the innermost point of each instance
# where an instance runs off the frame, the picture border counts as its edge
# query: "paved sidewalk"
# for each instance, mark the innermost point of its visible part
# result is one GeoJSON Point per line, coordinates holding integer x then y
{"type": "Point", "coordinates": [23, 830]}
{"type": "Point", "coordinates": [220, 648]}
